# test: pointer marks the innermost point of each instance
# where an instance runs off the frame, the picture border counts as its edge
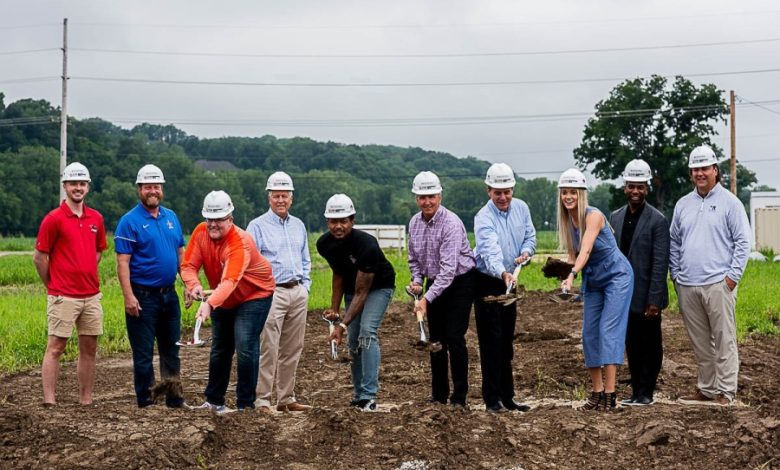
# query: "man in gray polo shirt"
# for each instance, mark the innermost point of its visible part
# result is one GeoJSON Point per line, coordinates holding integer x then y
{"type": "Point", "coordinates": [710, 243]}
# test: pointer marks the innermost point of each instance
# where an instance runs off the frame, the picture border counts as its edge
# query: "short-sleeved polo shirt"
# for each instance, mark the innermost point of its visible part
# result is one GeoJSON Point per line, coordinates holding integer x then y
{"type": "Point", "coordinates": [153, 245]}
{"type": "Point", "coordinates": [358, 251]}
{"type": "Point", "coordinates": [72, 244]}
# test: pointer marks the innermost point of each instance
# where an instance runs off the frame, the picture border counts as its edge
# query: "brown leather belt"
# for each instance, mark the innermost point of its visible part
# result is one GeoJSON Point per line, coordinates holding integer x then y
{"type": "Point", "coordinates": [287, 285]}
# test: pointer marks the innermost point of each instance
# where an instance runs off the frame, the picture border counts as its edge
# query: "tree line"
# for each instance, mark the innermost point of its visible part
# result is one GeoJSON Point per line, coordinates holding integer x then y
{"type": "Point", "coordinates": [377, 177]}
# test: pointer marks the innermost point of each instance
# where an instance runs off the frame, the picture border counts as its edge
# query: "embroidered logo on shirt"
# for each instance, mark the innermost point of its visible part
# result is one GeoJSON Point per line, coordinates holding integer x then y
{"type": "Point", "coordinates": [93, 227]}
{"type": "Point", "coordinates": [170, 225]}
{"type": "Point", "coordinates": [145, 226]}
{"type": "Point", "coordinates": [352, 259]}
{"type": "Point", "coordinates": [713, 208]}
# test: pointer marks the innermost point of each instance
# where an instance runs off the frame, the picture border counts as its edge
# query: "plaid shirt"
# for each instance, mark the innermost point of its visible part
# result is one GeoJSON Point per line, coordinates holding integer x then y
{"type": "Point", "coordinates": [439, 250]}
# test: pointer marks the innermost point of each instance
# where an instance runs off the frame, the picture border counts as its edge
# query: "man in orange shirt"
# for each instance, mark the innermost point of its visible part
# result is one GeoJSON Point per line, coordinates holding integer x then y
{"type": "Point", "coordinates": [243, 286]}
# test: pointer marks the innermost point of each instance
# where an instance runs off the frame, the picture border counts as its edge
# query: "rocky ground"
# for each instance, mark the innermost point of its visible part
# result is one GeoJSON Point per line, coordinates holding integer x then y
{"type": "Point", "coordinates": [409, 433]}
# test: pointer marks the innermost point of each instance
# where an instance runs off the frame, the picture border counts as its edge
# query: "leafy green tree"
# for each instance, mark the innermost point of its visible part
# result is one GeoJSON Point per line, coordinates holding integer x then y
{"type": "Point", "coordinates": [600, 197]}
{"type": "Point", "coordinates": [541, 195]}
{"type": "Point", "coordinates": [657, 121]}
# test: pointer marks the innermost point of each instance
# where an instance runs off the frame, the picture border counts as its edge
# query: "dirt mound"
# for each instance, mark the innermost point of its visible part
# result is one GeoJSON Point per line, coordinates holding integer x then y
{"type": "Point", "coordinates": [408, 432]}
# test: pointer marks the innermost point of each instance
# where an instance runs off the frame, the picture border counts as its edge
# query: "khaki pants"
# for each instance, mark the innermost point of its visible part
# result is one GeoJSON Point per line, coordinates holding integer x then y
{"type": "Point", "coordinates": [709, 313]}
{"type": "Point", "coordinates": [281, 344]}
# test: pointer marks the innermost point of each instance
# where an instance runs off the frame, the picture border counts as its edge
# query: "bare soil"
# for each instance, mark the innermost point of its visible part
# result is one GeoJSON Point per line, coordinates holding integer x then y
{"type": "Point", "coordinates": [408, 432]}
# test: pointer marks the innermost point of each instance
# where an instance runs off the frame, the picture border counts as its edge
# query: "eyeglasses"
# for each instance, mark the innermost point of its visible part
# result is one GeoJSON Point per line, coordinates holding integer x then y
{"type": "Point", "coordinates": [217, 221]}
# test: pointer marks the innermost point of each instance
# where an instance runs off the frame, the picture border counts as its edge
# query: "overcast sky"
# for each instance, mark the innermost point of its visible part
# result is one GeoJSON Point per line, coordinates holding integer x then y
{"type": "Point", "coordinates": [254, 53]}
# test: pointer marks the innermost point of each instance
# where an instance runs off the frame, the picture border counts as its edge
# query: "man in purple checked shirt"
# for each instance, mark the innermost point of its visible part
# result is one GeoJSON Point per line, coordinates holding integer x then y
{"type": "Point", "coordinates": [439, 254]}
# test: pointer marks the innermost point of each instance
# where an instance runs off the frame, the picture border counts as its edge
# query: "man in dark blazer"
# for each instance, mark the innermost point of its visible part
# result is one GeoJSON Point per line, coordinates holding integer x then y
{"type": "Point", "coordinates": [642, 233]}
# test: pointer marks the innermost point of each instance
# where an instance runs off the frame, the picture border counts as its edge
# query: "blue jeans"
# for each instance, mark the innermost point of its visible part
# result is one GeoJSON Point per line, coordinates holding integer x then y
{"type": "Point", "coordinates": [237, 329]}
{"type": "Point", "coordinates": [160, 318]}
{"type": "Point", "coordinates": [363, 342]}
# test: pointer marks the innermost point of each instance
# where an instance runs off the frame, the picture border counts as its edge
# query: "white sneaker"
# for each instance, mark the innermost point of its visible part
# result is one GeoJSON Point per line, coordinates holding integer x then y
{"type": "Point", "coordinates": [218, 409]}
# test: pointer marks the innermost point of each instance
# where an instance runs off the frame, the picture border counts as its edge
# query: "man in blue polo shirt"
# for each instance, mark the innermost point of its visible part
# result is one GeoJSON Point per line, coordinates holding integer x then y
{"type": "Point", "coordinates": [149, 247]}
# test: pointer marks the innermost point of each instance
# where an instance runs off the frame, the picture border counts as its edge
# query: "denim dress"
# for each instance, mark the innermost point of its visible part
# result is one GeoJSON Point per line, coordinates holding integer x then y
{"type": "Point", "coordinates": [607, 286]}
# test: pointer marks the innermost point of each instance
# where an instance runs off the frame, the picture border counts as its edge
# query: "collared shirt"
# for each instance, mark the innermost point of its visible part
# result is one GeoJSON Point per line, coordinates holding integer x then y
{"type": "Point", "coordinates": [630, 220]}
{"type": "Point", "coordinates": [502, 236]}
{"type": "Point", "coordinates": [72, 244]}
{"type": "Point", "coordinates": [233, 266]}
{"type": "Point", "coordinates": [153, 243]}
{"type": "Point", "coordinates": [358, 251]}
{"type": "Point", "coordinates": [283, 242]}
{"type": "Point", "coordinates": [439, 250]}
{"type": "Point", "coordinates": [710, 238]}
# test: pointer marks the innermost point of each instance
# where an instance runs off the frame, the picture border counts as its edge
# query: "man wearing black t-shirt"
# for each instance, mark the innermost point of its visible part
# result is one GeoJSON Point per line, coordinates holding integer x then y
{"type": "Point", "coordinates": [365, 279]}
{"type": "Point", "coordinates": [643, 235]}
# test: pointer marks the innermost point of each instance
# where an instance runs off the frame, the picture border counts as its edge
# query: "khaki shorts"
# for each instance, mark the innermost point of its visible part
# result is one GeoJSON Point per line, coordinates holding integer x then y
{"type": "Point", "coordinates": [65, 312]}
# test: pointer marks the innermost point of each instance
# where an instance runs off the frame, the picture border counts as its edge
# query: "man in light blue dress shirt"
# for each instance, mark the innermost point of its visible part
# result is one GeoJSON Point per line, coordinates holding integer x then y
{"type": "Point", "coordinates": [505, 237]}
{"type": "Point", "coordinates": [281, 238]}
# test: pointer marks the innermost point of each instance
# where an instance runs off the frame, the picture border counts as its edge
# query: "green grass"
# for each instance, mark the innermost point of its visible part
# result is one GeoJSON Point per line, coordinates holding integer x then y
{"type": "Point", "coordinates": [17, 243]}
{"type": "Point", "coordinates": [23, 302]}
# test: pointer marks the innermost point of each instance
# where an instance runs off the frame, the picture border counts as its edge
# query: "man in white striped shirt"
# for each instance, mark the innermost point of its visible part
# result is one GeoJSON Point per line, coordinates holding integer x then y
{"type": "Point", "coordinates": [281, 239]}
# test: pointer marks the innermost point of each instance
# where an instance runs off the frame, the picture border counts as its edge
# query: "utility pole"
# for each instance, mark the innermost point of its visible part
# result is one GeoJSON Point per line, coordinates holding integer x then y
{"type": "Point", "coordinates": [63, 108]}
{"type": "Point", "coordinates": [733, 113]}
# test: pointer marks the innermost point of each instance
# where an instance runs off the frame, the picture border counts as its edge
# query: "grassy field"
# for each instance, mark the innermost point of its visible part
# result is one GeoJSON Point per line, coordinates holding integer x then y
{"type": "Point", "coordinates": [23, 301]}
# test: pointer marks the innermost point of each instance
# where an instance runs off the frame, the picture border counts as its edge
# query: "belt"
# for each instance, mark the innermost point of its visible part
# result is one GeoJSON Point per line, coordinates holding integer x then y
{"type": "Point", "coordinates": [154, 290]}
{"type": "Point", "coordinates": [287, 285]}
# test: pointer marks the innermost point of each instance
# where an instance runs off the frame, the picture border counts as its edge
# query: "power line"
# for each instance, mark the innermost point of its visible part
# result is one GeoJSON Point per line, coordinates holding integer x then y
{"type": "Point", "coordinates": [401, 84]}
{"type": "Point", "coordinates": [424, 55]}
{"type": "Point", "coordinates": [29, 51]}
{"type": "Point", "coordinates": [742, 98]}
{"type": "Point", "coordinates": [30, 79]}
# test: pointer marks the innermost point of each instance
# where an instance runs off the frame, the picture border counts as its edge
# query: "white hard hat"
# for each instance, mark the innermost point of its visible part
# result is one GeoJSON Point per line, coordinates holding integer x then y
{"type": "Point", "coordinates": [702, 156]}
{"type": "Point", "coordinates": [149, 174]}
{"type": "Point", "coordinates": [279, 181]}
{"type": "Point", "coordinates": [217, 205]}
{"type": "Point", "coordinates": [339, 206]}
{"type": "Point", "coordinates": [500, 176]}
{"type": "Point", "coordinates": [75, 172]}
{"type": "Point", "coordinates": [572, 178]}
{"type": "Point", "coordinates": [637, 171]}
{"type": "Point", "coordinates": [426, 183]}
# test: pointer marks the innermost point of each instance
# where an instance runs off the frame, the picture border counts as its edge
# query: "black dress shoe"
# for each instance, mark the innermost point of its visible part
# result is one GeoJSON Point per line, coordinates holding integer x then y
{"type": "Point", "coordinates": [496, 407]}
{"type": "Point", "coordinates": [638, 401]}
{"type": "Point", "coordinates": [514, 405]}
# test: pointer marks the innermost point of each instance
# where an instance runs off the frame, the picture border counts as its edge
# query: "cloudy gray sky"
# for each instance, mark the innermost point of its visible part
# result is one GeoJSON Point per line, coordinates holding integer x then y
{"type": "Point", "coordinates": [251, 68]}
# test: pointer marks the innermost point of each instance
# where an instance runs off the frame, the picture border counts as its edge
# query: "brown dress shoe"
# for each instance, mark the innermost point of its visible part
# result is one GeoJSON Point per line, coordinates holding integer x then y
{"type": "Point", "coordinates": [697, 398]}
{"type": "Point", "coordinates": [721, 400]}
{"type": "Point", "coordinates": [265, 409]}
{"type": "Point", "coordinates": [294, 406]}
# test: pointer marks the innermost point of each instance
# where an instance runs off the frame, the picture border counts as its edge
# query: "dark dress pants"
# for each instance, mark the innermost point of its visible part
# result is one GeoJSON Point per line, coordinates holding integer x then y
{"type": "Point", "coordinates": [644, 349]}
{"type": "Point", "coordinates": [496, 331]}
{"type": "Point", "coordinates": [448, 320]}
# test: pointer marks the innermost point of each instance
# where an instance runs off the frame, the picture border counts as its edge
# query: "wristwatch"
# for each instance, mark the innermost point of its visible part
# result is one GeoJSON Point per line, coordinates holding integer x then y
{"type": "Point", "coordinates": [343, 326]}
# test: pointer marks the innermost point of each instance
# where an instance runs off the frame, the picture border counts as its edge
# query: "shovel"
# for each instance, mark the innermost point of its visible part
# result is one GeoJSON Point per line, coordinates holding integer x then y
{"type": "Point", "coordinates": [563, 296]}
{"type": "Point", "coordinates": [334, 353]}
{"type": "Point", "coordinates": [196, 341]}
{"type": "Point", "coordinates": [509, 296]}
{"type": "Point", "coordinates": [423, 343]}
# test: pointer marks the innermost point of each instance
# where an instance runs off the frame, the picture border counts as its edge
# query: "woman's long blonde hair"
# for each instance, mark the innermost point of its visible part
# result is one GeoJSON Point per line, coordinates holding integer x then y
{"type": "Point", "coordinates": [565, 227]}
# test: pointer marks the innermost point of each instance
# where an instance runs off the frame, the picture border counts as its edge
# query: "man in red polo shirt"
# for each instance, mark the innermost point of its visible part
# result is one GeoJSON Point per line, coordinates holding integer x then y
{"type": "Point", "coordinates": [70, 241]}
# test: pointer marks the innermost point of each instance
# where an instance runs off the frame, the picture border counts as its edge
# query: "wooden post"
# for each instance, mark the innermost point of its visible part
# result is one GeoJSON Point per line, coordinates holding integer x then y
{"type": "Point", "coordinates": [733, 114]}
{"type": "Point", "coordinates": [64, 109]}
